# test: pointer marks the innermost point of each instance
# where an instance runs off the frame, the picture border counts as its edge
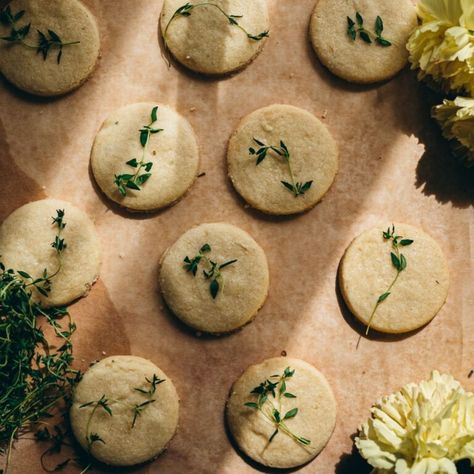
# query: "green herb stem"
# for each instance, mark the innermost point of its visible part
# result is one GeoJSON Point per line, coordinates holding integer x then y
{"type": "Point", "coordinates": [399, 261]}
{"type": "Point", "coordinates": [46, 41]}
{"type": "Point", "coordinates": [213, 272]}
{"type": "Point", "coordinates": [34, 376]}
{"type": "Point", "coordinates": [273, 413]}
{"type": "Point", "coordinates": [185, 11]}
{"type": "Point", "coordinates": [297, 188]}
{"type": "Point", "coordinates": [137, 179]}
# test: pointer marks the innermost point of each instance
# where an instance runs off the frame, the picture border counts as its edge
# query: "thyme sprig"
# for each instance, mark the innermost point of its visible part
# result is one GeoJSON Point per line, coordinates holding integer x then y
{"type": "Point", "coordinates": [398, 260]}
{"type": "Point", "coordinates": [137, 179]}
{"type": "Point", "coordinates": [357, 27]}
{"type": "Point", "coordinates": [138, 408]}
{"type": "Point", "coordinates": [213, 271]}
{"type": "Point", "coordinates": [101, 404]}
{"type": "Point", "coordinates": [153, 384]}
{"type": "Point", "coordinates": [46, 40]}
{"type": "Point", "coordinates": [186, 9]}
{"type": "Point", "coordinates": [34, 376]}
{"type": "Point", "coordinates": [269, 403]}
{"type": "Point", "coordinates": [105, 404]}
{"type": "Point", "coordinates": [297, 188]}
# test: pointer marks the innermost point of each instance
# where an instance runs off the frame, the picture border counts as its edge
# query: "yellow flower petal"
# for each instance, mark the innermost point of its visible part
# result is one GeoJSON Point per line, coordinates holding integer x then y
{"type": "Point", "coordinates": [430, 427]}
{"type": "Point", "coordinates": [448, 11]}
{"type": "Point", "coordinates": [456, 118]}
{"type": "Point", "coordinates": [442, 47]}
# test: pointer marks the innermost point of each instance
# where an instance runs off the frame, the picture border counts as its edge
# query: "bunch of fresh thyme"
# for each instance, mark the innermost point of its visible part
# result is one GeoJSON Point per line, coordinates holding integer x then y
{"type": "Point", "coordinates": [34, 376]}
{"type": "Point", "coordinates": [271, 408]}
{"type": "Point", "coordinates": [357, 27]}
{"type": "Point", "coordinates": [134, 181]}
{"type": "Point", "coordinates": [398, 260]}
{"type": "Point", "coordinates": [185, 11]}
{"type": "Point", "coordinates": [297, 188]}
{"type": "Point", "coordinates": [214, 269]}
{"type": "Point", "coordinates": [18, 35]}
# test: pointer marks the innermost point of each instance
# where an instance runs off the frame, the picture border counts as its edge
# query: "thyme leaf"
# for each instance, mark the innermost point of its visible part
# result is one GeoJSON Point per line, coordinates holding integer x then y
{"type": "Point", "coordinates": [399, 262]}
{"type": "Point", "coordinates": [186, 9]}
{"type": "Point", "coordinates": [355, 28]}
{"type": "Point", "coordinates": [34, 376]}
{"type": "Point", "coordinates": [46, 41]}
{"type": "Point", "coordinates": [139, 178]}
{"type": "Point", "coordinates": [269, 403]}
{"type": "Point", "coordinates": [295, 187]}
{"type": "Point", "coordinates": [212, 271]}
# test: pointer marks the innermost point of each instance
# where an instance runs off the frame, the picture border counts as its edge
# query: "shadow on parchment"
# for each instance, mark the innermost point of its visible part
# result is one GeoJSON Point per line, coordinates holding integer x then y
{"type": "Point", "coordinates": [439, 173]}
{"type": "Point", "coordinates": [200, 438]}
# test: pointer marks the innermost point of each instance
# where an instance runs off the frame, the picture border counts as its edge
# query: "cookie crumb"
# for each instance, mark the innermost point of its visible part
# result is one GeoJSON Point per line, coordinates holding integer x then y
{"type": "Point", "coordinates": [192, 109]}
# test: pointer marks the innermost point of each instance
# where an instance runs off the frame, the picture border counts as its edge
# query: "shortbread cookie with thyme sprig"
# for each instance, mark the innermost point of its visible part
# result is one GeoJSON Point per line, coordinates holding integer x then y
{"type": "Point", "coordinates": [363, 41]}
{"type": "Point", "coordinates": [282, 160]}
{"type": "Point", "coordinates": [145, 156]}
{"type": "Point", "coordinates": [215, 278]}
{"type": "Point", "coordinates": [47, 47]}
{"type": "Point", "coordinates": [394, 278]}
{"type": "Point", "coordinates": [216, 37]}
{"type": "Point", "coordinates": [124, 411]}
{"type": "Point", "coordinates": [33, 237]}
{"type": "Point", "coordinates": [281, 412]}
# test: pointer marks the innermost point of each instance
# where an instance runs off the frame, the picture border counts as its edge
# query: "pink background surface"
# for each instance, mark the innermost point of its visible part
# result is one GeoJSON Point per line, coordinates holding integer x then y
{"type": "Point", "coordinates": [393, 167]}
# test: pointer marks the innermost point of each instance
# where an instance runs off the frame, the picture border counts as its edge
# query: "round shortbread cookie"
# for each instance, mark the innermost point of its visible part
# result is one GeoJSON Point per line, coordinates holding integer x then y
{"type": "Point", "coordinates": [355, 60]}
{"type": "Point", "coordinates": [125, 383]}
{"type": "Point", "coordinates": [367, 271]}
{"type": "Point", "coordinates": [26, 236]}
{"type": "Point", "coordinates": [27, 69]}
{"type": "Point", "coordinates": [242, 287]}
{"type": "Point", "coordinates": [315, 419]}
{"type": "Point", "coordinates": [173, 152]}
{"type": "Point", "coordinates": [206, 41]}
{"type": "Point", "coordinates": [313, 157]}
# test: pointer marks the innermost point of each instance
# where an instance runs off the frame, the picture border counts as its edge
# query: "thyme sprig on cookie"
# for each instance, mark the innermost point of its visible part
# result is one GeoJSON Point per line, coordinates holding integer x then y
{"type": "Point", "coordinates": [34, 375]}
{"type": "Point", "coordinates": [295, 187]}
{"type": "Point", "coordinates": [213, 271]}
{"type": "Point", "coordinates": [101, 404]}
{"type": "Point", "coordinates": [46, 40]}
{"type": "Point", "coordinates": [186, 9]}
{"type": "Point", "coordinates": [269, 403]}
{"type": "Point", "coordinates": [139, 178]}
{"type": "Point", "coordinates": [139, 407]}
{"type": "Point", "coordinates": [398, 260]}
{"type": "Point", "coordinates": [357, 27]}
{"type": "Point", "coordinates": [106, 404]}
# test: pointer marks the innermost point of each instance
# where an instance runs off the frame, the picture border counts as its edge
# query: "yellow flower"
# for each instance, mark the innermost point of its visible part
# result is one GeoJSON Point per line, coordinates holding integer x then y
{"type": "Point", "coordinates": [422, 429]}
{"type": "Point", "coordinates": [456, 118]}
{"type": "Point", "coordinates": [442, 47]}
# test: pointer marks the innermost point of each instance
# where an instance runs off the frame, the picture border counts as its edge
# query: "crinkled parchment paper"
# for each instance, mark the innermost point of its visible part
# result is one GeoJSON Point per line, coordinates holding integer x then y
{"type": "Point", "coordinates": [393, 167]}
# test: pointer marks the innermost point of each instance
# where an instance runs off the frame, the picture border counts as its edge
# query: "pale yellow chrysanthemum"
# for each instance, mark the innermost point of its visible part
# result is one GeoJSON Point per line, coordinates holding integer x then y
{"type": "Point", "coordinates": [422, 429]}
{"type": "Point", "coordinates": [456, 118]}
{"type": "Point", "coordinates": [442, 47]}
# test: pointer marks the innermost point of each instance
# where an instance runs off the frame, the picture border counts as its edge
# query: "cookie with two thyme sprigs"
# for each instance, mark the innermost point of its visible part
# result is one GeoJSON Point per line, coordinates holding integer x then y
{"type": "Point", "coordinates": [215, 278]}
